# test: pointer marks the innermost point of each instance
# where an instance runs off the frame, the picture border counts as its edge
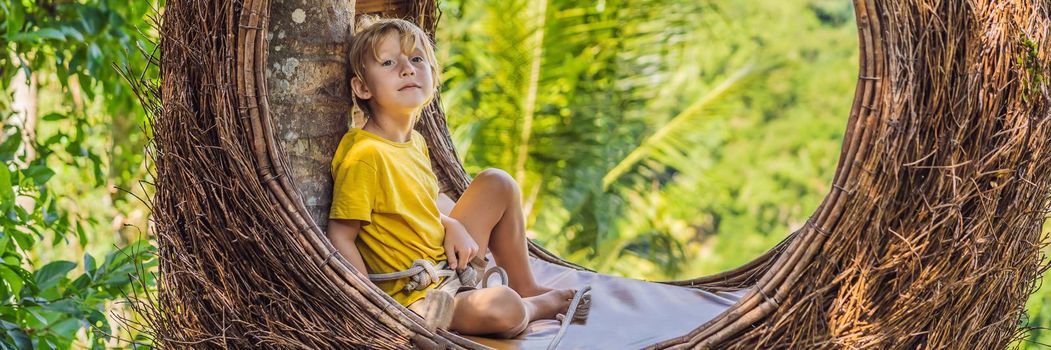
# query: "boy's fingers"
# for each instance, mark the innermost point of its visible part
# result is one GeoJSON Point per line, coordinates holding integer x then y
{"type": "Point", "coordinates": [450, 256]}
{"type": "Point", "coordinates": [461, 256]}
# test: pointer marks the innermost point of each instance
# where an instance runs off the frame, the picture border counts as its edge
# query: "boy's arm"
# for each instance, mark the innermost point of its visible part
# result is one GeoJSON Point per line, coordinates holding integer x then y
{"type": "Point", "coordinates": [459, 246]}
{"type": "Point", "coordinates": [343, 233]}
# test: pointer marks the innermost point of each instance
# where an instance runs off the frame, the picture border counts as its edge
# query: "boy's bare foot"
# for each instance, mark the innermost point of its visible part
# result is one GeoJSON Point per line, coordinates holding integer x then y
{"type": "Point", "coordinates": [547, 305]}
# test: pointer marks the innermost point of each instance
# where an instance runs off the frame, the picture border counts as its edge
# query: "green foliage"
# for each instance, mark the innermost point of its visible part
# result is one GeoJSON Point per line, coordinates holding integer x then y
{"type": "Point", "coordinates": [1031, 61]}
{"type": "Point", "coordinates": [1038, 307]}
{"type": "Point", "coordinates": [71, 148]}
{"type": "Point", "coordinates": [77, 45]}
{"type": "Point", "coordinates": [46, 308]}
{"type": "Point", "coordinates": [669, 138]}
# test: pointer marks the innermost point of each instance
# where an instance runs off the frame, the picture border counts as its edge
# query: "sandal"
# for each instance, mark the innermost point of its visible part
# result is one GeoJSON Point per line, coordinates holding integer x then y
{"type": "Point", "coordinates": [579, 308]}
{"type": "Point", "coordinates": [438, 310]}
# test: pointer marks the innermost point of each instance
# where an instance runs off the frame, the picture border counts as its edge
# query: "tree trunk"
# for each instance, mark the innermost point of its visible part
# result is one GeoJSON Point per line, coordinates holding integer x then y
{"type": "Point", "coordinates": [25, 110]}
{"type": "Point", "coordinates": [308, 91]}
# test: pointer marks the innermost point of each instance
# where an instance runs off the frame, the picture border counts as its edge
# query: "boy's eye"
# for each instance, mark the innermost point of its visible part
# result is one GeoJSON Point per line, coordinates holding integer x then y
{"type": "Point", "coordinates": [417, 59]}
{"type": "Point", "coordinates": [387, 63]}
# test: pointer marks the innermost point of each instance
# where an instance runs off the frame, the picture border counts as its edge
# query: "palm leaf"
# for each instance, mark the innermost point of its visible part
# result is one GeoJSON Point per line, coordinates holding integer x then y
{"type": "Point", "coordinates": [668, 143]}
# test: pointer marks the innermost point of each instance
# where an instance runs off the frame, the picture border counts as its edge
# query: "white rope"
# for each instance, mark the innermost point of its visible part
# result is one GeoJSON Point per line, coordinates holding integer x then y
{"type": "Point", "coordinates": [490, 272]}
{"type": "Point", "coordinates": [421, 274]}
{"type": "Point", "coordinates": [581, 297]}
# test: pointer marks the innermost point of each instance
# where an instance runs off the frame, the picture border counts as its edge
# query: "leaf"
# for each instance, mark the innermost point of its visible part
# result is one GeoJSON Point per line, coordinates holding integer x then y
{"type": "Point", "coordinates": [65, 307]}
{"type": "Point", "coordinates": [91, 18]}
{"type": "Point", "coordinates": [7, 193]}
{"type": "Point", "coordinates": [18, 335]}
{"type": "Point", "coordinates": [80, 284]}
{"type": "Point", "coordinates": [10, 146]}
{"type": "Point", "coordinates": [50, 344]}
{"type": "Point", "coordinates": [16, 17]}
{"type": "Point", "coordinates": [53, 116]}
{"type": "Point", "coordinates": [36, 314]}
{"type": "Point", "coordinates": [89, 264]}
{"type": "Point", "coordinates": [39, 173]}
{"type": "Point", "coordinates": [4, 240]}
{"type": "Point", "coordinates": [53, 139]}
{"type": "Point", "coordinates": [53, 272]}
{"type": "Point", "coordinates": [43, 33]}
{"type": "Point", "coordinates": [24, 240]}
{"type": "Point", "coordinates": [96, 167]}
{"type": "Point", "coordinates": [95, 58]}
{"type": "Point", "coordinates": [121, 265]}
{"type": "Point", "coordinates": [82, 236]}
{"type": "Point", "coordinates": [67, 330]}
{"type": "Point", "coordinates": [50, 213]}
{"type": "Point", "coordinates": [13, 282]}
{"type": "Point", "coordinates": [73, 33]}
{"type": "Point", "coordinates": [22, 214]}
{"type": "Point", "coordinates": [99, 325]}
{"type": "Point", "coordinates": [666, 138]}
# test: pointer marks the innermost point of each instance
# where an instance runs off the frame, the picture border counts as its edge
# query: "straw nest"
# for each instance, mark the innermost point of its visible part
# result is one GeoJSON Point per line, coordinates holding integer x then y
{"type": "Point", "coordinates": [929, 236]}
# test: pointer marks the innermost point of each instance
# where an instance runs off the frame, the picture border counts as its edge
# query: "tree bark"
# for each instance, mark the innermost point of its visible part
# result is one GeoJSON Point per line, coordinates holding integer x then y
{"type": "Point", "coordinates": [308, 92]}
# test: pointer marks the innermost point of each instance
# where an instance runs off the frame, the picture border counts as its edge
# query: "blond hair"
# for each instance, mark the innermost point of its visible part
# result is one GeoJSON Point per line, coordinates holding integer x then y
{"type": "Point", "coordinates": [364, 46]}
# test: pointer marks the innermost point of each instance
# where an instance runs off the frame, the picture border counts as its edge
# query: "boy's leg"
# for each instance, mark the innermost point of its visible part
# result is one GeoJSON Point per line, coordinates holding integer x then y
{"type": "Point", "coordinates": [499, 310]}
{"type": "Point", "coordinates": [491, 211]}
{"type": "Point", "coordinates": [488, 311]}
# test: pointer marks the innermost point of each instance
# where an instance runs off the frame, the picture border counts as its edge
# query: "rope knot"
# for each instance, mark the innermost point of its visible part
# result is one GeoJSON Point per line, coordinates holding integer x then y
{"type": "Point", "coordinates": [425, 273]}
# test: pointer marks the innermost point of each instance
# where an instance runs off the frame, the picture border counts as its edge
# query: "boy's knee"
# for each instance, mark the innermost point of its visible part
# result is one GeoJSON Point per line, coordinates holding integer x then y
{"type": "Point", "coordinates": [507, 310]}
{"type": "Point", "coordinates": [498, 177]}
{"type": "Point", "coordinates": [495, 174]}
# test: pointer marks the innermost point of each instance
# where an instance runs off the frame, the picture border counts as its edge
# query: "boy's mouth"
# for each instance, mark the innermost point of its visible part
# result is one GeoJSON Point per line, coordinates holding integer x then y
{"type": "Point", "coordinates": [409, 86]}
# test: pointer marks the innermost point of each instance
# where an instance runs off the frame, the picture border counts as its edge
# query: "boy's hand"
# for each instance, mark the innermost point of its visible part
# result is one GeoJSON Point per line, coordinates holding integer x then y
{"type": "Point", "coordinates": [459, 245]}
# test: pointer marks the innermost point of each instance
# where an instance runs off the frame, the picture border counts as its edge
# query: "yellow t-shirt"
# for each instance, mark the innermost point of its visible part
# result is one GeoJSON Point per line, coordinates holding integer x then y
{"type": "Point", "coordinates": [391, 187]}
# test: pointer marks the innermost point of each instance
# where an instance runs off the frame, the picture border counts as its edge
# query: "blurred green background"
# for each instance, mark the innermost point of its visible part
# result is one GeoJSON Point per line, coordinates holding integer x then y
{"type": "Point", "coordinates": [652, 139]}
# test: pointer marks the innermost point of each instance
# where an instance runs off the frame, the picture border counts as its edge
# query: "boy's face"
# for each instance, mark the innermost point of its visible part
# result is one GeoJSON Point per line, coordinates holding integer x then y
{"type": "Point", "coordinates": [397, 83]}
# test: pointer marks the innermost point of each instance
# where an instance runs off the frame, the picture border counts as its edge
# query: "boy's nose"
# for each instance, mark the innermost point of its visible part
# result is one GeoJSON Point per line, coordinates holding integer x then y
{"type": "Point", "coordinates": [408, 70]}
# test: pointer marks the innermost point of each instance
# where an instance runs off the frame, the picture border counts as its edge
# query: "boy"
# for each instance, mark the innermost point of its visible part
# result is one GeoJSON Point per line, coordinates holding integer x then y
{"type": "Point", "coordinates": [388, 216]}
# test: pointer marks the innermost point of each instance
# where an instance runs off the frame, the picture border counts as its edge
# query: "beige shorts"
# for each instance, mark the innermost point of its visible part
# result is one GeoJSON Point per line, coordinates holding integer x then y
{"type": "Point", "coordinates": [450, 284]}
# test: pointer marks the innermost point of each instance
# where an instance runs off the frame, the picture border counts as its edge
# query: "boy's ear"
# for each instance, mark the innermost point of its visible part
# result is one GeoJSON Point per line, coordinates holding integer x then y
{"type": "Point", "coordinates": [360, 90]}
